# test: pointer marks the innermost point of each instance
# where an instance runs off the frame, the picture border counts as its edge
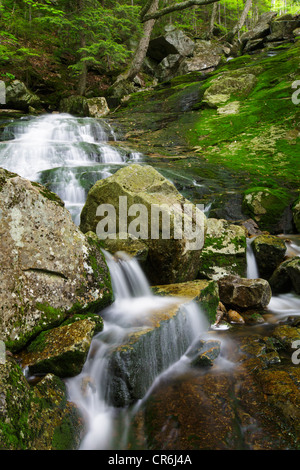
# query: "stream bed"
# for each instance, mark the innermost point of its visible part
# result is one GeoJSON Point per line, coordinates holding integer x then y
{"type": "Point", "coordinates": [69, 155]}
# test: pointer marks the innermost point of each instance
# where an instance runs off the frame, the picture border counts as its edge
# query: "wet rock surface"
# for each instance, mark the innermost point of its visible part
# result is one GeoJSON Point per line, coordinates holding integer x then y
{"type": "Point", "coordinates": [171, 258]}
{"type": "Point", "coordinates": [49, 268]}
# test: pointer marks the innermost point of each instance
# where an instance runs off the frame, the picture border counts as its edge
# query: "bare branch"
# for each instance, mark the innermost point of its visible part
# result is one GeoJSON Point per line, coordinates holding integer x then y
{"type": "Point", "coordinates": [176, 7]}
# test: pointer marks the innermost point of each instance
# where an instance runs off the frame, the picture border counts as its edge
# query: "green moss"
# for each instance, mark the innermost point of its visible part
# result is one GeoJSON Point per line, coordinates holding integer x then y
{"type": "Point", "coordinates": [48, 194]}
{"type": "Point", "coordinates": [97, 319]}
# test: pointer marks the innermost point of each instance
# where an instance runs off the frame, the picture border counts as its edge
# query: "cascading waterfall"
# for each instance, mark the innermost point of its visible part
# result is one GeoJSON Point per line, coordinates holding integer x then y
{"type": "Point", "coordinates": [134, 302]}
{"type": "Point", "coordinates": [61, 150]}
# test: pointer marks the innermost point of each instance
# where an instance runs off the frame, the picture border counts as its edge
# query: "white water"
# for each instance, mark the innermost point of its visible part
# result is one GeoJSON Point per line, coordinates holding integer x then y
{"type": "Point", "coordinates": [133, 305]}
{"type": "Point", "coordinates": [68, 146]}
{"type": "Point", "coordinates": [252, 269]}
{"type": "Point", "coordinates": [284, 305]}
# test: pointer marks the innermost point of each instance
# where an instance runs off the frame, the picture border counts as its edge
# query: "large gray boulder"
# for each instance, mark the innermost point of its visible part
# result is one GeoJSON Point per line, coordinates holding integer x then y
{"type": "Point", "coordinates": [173, 42]}
{"type": "Point", "coordinates": [18, 96]}
{"type": "Point", "coordinates": [283, 27]}
{"type": "Point", "coordinates": [172, 256]}
{"type": "Point", "coordinates": [206, 57]}
{"type": "Point", "coordinates": [261, 29]}
{"type": "Point", "coordinates": [49, 268]}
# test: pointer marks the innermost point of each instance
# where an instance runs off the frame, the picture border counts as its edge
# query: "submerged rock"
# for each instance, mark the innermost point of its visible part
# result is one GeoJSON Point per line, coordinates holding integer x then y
{"type": "Point", "coordinates": [49, 268]}
{"type": "Point", "coordinates": [173, 255]}
{"type": "Point", "coordinates": [204, 353]}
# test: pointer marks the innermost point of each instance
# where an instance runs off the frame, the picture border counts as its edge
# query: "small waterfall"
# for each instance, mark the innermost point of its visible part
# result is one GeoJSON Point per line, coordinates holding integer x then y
{"type": "Point", "coordinates": [252, 269]}
{"type": "Point", "coordinates": [133, 304]}
{"type": "Point", "coordinates": [56, 149]}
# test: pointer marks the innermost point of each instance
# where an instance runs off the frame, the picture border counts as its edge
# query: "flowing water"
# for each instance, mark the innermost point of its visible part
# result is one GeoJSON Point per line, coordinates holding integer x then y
{"type": "Point", "coordinates": [285, 305]}
{"type": "Point", "coordinates": [69, 155]}
{"type": "Point", "coordinates": [134, 304]}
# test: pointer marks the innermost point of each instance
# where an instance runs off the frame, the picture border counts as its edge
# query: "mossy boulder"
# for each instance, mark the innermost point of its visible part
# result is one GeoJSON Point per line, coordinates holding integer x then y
{"type": "Point", "coordinates": [206, 57]}
{"type": "Point", "coordinates": [204, 292]}
{"type": "Point", "coordinates": [269, 208]}
{"type": "Point", "coordinates": [61, 351]}
{"type": "Point", "coordinates": [18, 96]}
{"type": "Point", "coordinates": [269, 252]}
{"type": "Point", "coordinates": [226, 86]}
{"type": "Point", "coordinates": [286, 277]}
{"type": "Point", "coordinates": [224, 250]}
{"type": "Point", "coordinates": [75, 105]}
{"type": "Point", "coordinates": [172, 256]}
{"type": "Point", "coordinates": [36, 417]}
{"type": "Point", "coordinates": [50, 269]}
{"type": "Point", "coordinates": [128, 244]}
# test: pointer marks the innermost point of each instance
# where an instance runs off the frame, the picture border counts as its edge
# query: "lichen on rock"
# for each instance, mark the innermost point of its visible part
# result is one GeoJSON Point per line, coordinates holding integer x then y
{"type": "Point", "coordinates": [50, 269]}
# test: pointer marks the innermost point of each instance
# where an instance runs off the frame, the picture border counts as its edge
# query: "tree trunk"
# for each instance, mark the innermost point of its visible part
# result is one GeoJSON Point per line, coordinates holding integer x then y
{"type": "Point", "coordinates": [81, 85]}
{"type": "Point", "coordinates": [149, 14]}
{"type": "Point", "coordinates": [83, 73]}
{"type": "Point", "coordinates": [213, 19]}
{"type": "Point", "coordinates": [240, 22]}
{"type": "Point", "coordinates": [142, 48]}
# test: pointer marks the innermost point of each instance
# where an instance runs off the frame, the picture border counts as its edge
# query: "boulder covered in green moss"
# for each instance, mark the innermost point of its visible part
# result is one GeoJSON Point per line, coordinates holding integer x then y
{"type": "Point", "coordinates": [269, 208]}
{"type": "Point", "coordinates": [75, 105]}
{"type": "Point", "coordinates": [286, 277]}
{"type": "Point", "coordinates": [49, 268]}
{"type": "Point", "coordinates": [36, 417]}
{"type": "Point", "coordinates": [18, 96]}
{"type": "Point", "coordinates": [61, 351]}
{"type": "Point", "coordinates": [202, 291]}
{"type": "Point", "coordinates": [138, 196]}
{"type": "Point", "coordinates": [226, 86]}
{"type": "Point", "coordinates": [269, 252]}
{"type": "Point", "coordinates": [224, 250]}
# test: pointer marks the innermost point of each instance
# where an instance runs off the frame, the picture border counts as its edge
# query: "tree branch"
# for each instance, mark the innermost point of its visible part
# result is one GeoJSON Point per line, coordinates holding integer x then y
{"type": "Point", "coordinates": [145, 9]}
{"type": "Point", "coordinates": [176, 7]}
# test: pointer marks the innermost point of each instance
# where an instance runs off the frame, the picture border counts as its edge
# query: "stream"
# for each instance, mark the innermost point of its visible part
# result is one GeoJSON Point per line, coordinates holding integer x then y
{"type": "Point", "coordinates": [69, 155]}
